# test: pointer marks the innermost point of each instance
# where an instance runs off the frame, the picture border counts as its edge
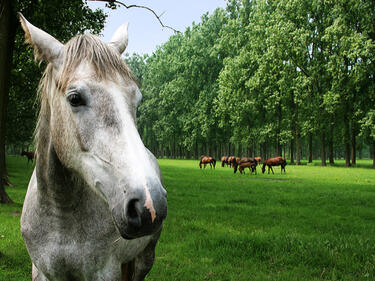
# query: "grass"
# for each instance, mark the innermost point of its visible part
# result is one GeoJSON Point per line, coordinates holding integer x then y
{"type": "Point", "coordinates": [314, 223]}
{"type": "Point", "coordinates": [15, 263]}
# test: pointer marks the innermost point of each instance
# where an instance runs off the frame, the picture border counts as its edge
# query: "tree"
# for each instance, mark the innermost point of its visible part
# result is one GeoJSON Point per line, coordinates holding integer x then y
{"type": "Point", "coordinates": [264, 77]}
{"type": "Point", "coordinates": [351, 62]}
{"type": "Point", "coordinates": [7, 34]}
{"type": "Point", "coordinates": [21, 83]}
{"type": "Point", "coordinates": [176, 113]}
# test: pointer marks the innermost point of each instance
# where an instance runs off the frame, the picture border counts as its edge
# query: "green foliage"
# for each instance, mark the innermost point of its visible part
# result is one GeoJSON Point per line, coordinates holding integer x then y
{"type": "Point", "coordinates": [259, 74]}
{"type": "Point", "coordinates": [368, 124]}
{"type": "Point", "coordinates": [63, 20]}
{"type": "Point", "coordinates": [15, 263]}
{"type": "Point", "coordinates": [137, 64]}
{"type": "Point", "coordinates": [179, 86]}
{"type": "Point", "coordinates": [263, 72]}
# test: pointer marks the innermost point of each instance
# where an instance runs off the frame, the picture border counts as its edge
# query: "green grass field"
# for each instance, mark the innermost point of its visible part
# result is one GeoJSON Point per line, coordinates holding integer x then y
{"type": "Point", "coordinates": [314, 223]}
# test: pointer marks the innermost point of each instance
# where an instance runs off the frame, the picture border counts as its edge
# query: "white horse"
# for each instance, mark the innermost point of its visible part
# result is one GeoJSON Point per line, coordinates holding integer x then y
{"type": "Point", "coordinates": [95, 204]}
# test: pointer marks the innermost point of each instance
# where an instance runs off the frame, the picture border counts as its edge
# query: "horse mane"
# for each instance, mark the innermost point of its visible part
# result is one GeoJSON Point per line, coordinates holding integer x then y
{"type": "Point", "coordinates": [104, 60]}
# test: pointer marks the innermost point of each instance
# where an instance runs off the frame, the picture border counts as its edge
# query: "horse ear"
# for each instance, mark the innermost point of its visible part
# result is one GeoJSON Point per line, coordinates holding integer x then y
{"type": "Point", "coordinates": [120, 39]}
{"type": "Point", "coordinates": [46, 47]}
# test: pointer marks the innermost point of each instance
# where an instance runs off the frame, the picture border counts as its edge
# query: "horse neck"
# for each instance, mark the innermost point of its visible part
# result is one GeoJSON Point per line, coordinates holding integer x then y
{"type": "Point", "coordinates": [56, 184]}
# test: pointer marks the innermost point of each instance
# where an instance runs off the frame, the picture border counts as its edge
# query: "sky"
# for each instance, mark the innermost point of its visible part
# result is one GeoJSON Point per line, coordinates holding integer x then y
{"type": "Point", "coordinates": [145, 32]}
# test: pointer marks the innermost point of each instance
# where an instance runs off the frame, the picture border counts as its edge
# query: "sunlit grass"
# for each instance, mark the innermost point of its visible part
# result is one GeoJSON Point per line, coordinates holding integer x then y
{"type": "Point", "coordinates": [313, 223]}
{"type": "Point", "coordinates": [15, 263]}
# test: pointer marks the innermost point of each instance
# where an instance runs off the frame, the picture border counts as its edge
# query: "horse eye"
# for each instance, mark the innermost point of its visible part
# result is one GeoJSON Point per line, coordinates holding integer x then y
{"type": "Point", "coordinates": [75, 100]}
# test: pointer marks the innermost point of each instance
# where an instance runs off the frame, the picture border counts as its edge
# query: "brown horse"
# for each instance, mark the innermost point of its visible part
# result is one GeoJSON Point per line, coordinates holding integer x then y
{"type": "Point", "coordinates": [224, 160]}
{"type": "Point", "coordinates": [30, 156]}
{"type": "Point", "coordinates": [251, 165]}
{"type": "Point", "coordinates": [259, 159]}
{"type": "Point", "coordinates": [207, 160]}
{"type": "Point", "coordinates": [245, 162]}
{"type": "Point", "coordinates": [231, 160]}
{"type": "Point", "coordinates": [276, 161]}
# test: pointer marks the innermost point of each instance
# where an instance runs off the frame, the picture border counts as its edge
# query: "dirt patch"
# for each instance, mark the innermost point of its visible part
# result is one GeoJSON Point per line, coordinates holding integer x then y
{"type": "Point", "coordinates": [16, 213]}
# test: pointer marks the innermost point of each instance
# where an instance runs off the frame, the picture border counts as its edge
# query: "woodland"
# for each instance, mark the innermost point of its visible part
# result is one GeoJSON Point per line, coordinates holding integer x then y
{"type": "Point", "coordinates": [259, 78]}
{"type": "Point", "coordinates": [264, 78]}
{"type": "Point", "coordinates": [20, 74]}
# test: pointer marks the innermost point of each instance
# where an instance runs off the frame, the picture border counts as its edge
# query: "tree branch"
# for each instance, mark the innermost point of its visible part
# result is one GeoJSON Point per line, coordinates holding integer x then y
{"type": "Point", "coordinates": [141, 7]}
{"type": "Point", "coordinates": [300, 67]}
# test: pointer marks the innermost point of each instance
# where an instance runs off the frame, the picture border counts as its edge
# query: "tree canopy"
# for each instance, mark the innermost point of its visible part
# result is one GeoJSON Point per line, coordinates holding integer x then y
{"type": "Point", "coordinates": [264, 77]}
{"type": "Point", "coordinates": [286, 77]}
{"type": "Point", "coordinates": [19, 75]}
{"type": "Point", "coordinates": [63, 19]}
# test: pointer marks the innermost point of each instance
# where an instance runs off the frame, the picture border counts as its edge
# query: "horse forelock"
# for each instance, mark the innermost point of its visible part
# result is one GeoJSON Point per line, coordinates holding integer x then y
{"type": "Point", "coordinates": [105, 62]}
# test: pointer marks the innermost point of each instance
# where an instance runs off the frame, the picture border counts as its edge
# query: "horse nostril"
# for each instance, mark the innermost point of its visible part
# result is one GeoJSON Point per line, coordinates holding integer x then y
{"type": "Point", "coordinates": [133, 214]}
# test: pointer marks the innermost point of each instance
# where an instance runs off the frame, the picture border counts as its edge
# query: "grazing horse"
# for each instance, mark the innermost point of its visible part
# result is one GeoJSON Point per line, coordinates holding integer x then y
{"type": "Point", "coordinates": [251, 165]}
{"type": "Point", "coordinates": [245, 162]}
{"type": "Point", "coordinates": [276, 161]}
{"type": "Point", "coordinates": [259, 159]}
{"type": "Point", "coordinates": [231, 160]}
{"type": "Point", "coordinates": [95, 204]}
{"type": "Point", "coordinates": [30, 156]}
{"type": "Point", "coordinates": [207, 160]}
{"type": "Point", "coordinates": [224, 160]}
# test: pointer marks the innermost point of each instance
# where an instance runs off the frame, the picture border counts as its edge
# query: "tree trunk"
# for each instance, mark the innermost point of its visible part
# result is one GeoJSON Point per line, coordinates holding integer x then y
{"type": "Point", "coordinates": [187, 154]}
{"type": "Point", "coordinates": [298, 146]}
{"type": "Point", "coordinates": [330, 144]}
{"type": "Point", "coordinates": [4, 198]}
{"type": "Point", "coordinates": [298, 139]}
{"type": "Point", "coordinates": [323, 149]}
{"type": "Point", "coordinates": [7, 37]}
{"type": "Point", "coordinates": [174, 149]}
{"type": "Point", "coordinates": [279, 118]}
{"type": "Point", "coordinates": [346, 139]}
{"type": "Point", "coordinates": [354, 143]}
{"type": "Point", "coordinates": [360, 148]}
{"type": "Point", "coordinates": [254, 149]}
{"type": "Point", "coordinates": [196, 150]}
{"type": "Point", "coordinates": [166, 152]}
{"type": "Point", "coordinates": [292, 151]}
{"type": "Point", "coordinates": [310, 147]}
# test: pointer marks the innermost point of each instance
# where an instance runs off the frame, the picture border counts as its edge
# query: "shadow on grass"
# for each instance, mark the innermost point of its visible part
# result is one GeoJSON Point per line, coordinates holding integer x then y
{"type": "Point", "coordinates": [366, 164]}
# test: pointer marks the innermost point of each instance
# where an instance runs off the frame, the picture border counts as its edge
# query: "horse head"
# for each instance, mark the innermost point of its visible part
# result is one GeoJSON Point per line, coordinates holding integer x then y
{"type": "Point", "coordinates": [88, 107]}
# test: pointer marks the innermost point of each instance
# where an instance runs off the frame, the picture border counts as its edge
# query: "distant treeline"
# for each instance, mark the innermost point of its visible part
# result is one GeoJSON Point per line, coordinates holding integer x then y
{"type": "Point", "coordinates": [264, 78]}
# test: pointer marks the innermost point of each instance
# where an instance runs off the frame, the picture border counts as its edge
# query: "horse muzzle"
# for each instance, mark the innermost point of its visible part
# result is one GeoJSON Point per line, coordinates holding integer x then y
{"type": "Point", "coordinates": [142, 212]}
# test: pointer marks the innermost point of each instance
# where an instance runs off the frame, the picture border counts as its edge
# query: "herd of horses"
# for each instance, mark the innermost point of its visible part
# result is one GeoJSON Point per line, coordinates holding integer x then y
{"type": "Point", "coordinates": [237, 163]}
{"type": "Point", "coordinates": [242, 163]}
